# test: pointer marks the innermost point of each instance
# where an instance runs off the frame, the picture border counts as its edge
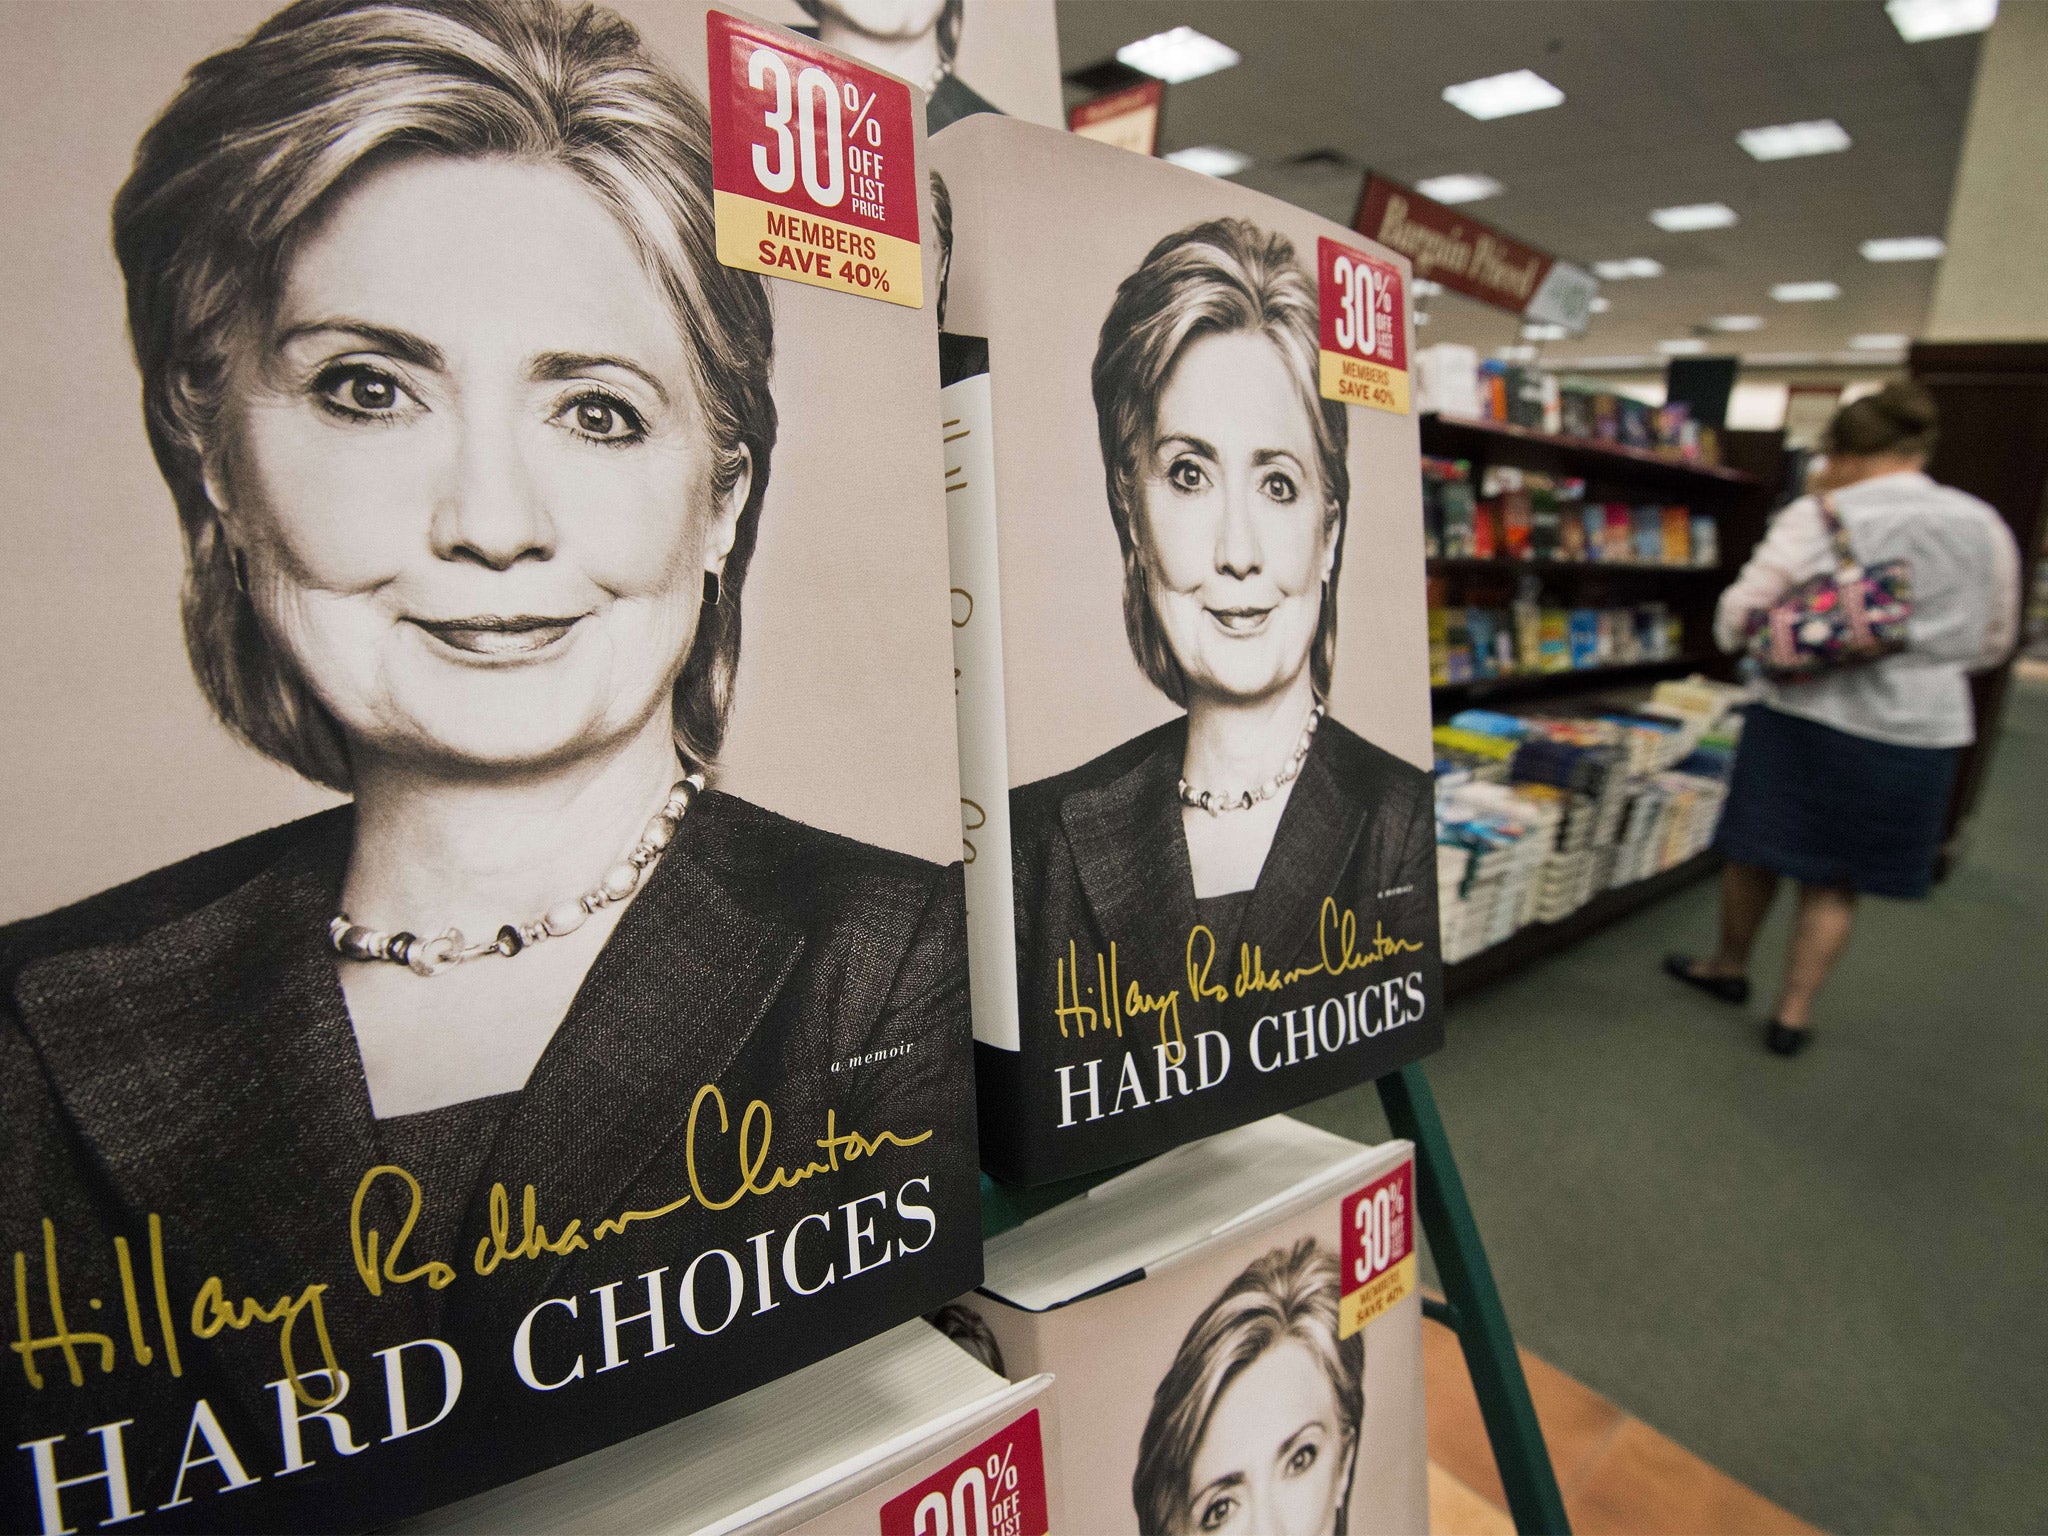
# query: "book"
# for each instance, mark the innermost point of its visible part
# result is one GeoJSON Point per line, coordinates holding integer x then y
{"type": "Point", "coordinates": [1676, 545]}
{"type": "Point", "coordinates": [1617, 539]}
{"type": "Point", "coordinates": [1151, 1302]}
{"type": "Point", "coordinates": [386, 1178]}
{"type": "Point", "coordinates": [1706, 540]}
{"type": "Point", "coordinates": [1647, 535]}
{"type": "Point", "coordinates": [1583, 637]}
{"type": "Point", "coordinates": [1139, 526]}
{"type": "Point", "coordinates": [838, 1446]}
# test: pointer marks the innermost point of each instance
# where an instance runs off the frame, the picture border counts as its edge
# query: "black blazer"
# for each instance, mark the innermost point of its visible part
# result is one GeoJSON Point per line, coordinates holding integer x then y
{"type": "Point", "coordinates": [180, 1047]}
{"type": "Point", "coordinates": [1100, 857]}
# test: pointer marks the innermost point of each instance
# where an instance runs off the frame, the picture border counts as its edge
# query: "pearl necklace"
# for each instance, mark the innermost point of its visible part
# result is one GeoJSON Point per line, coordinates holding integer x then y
{"type": "Point", "coordinates": [1215, 804]}
{"type": "Point", "coordinates": [430, 957]}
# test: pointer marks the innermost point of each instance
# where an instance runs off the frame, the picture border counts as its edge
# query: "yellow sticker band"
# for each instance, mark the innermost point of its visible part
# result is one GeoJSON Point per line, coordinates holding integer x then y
{"type": "Point", "coordinates": [760, 237]}
{"type": "Point", "coordinates": [1361, 1306]}
{"type": "Point", "coordinates": [1353, 381]}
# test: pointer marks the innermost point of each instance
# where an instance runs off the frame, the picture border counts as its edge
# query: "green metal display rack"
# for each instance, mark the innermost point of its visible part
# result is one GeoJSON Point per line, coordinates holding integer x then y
{"type": "Point", "coordinates": [1471, 1306]}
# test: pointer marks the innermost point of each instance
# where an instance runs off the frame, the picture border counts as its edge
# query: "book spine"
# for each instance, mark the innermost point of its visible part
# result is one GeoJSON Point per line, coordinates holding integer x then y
{"type": "Point", "coordinates": [978, 686]}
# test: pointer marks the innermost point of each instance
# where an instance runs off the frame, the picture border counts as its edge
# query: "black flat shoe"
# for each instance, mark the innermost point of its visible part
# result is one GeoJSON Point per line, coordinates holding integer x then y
{"type": "Point", "coordinates": [1727, 989]}
{"type": "Point", "coordinates": [1784, 1040]}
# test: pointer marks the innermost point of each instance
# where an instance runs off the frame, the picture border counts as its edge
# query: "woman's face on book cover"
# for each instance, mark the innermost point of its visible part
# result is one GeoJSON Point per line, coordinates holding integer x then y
{"type": "Point", "coordinates": [1274, 1459]}
{"type": "Point", "coordinates": [468, 470]}
{"type": "Point", "coordinates": [1236, 518]}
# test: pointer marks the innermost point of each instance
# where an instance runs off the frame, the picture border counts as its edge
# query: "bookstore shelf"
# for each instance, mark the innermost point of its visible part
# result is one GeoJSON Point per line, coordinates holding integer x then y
{"type": "Point", "coordinates": [1534, 685]}
{"type": "Point", "coordinates": [1507, 566]}
{"type": "Point", "coordinates": [1462, 437]}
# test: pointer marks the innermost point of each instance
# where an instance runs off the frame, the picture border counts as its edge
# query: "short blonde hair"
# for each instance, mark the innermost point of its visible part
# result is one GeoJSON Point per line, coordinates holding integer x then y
{"type": "Point", "coordinates": [261, 134]}
{"type": "Point", "coordinates": [1214, 278]}
{"type": "Point", "coordinates": [1286, 1294]}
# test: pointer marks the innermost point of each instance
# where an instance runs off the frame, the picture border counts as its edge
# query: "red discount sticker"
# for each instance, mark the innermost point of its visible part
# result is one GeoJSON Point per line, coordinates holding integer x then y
{"type": "Point", "coordinates": [1365, 328]}
{"type": "Point", "coordinates": [1377, 1248]}
{"type": "Point", "coordinates": [996, 1489]}
{"type": "Point", "coordinates": [813, 165]}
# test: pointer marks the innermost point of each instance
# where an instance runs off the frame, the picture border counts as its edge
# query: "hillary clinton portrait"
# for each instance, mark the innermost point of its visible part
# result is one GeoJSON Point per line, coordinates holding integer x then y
{"type": "Point", "coordinates": [468, 433]}
{"type": "Point", "coordinates": [1211, 847]}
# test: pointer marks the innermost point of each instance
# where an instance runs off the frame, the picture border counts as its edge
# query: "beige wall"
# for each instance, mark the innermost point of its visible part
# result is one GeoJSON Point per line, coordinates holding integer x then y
{"type": "Point", "coordinates": [1994, 280]}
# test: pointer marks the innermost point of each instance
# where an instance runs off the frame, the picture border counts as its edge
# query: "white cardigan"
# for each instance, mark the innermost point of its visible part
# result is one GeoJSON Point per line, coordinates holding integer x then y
{"type": "Point", "coordinates": [1966, 595]}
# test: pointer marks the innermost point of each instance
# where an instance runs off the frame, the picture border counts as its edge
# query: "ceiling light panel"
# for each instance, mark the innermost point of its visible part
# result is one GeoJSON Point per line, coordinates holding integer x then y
{"type": "Point", "coordinates": [1737, 322]}
{"type": "Point", "coordinates": [1805, 293]}
{"type": "Point", "coordinates": [1788, 141]}
{"type": "Point", "coordinates": [1628, 267]}
{"type": "Point", "coordinates": [1921, 21]}
{"type": "Point", "coordinates": [1875, 343]}
{"type": "Point", "coordinates": [1544, 331]}
{"type": "Point", "coordinates": [1905, 248]}
{"type": "Point", "coordinates": [1516, 354]}
{"type": "Point", "coordinates": [1179, 55]}
{"type": "Point", "coordinates": [1682, 346]}
{"type": "Point", "coordinates": [1460, 187]}
{"type": "Point", "coordinates": [1211, 159]}
{"type": "Point", "coordinates": [1688, 217]}
{"type": "Point", "coordinates": [1600, 306]}
{"type": "Point", "coordinates": [1521, 90]}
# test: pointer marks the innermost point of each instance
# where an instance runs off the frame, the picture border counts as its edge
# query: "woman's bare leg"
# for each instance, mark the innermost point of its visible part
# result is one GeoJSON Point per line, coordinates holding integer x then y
{"type": "Point", "coordinates": [1746, 892]}
{"type": "Point", "coordinates": [1819, 935]}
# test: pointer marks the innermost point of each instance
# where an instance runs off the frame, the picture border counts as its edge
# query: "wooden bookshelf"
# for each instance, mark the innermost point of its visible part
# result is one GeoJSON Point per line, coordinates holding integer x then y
{"type": "Point", "coordinates": [1587, 458]}
{"type": "Point", "coordinates": [1524, 686]}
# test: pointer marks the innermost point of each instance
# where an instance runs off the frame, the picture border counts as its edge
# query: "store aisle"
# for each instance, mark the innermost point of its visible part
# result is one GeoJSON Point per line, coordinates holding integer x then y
{"type": "Point", "coordinates": [1822, 1275]}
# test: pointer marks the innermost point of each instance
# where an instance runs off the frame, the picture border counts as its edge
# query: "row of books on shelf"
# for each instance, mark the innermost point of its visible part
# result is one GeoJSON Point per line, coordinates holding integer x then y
{"type": "Point", "coordinates": [1538, 814]}
{"type": "Point", "coordinates": [1516, 514]}
{"type": "Point", "coordinates": [1527, 638]}
{"type": "Point", "coordinates": [1456, 382]}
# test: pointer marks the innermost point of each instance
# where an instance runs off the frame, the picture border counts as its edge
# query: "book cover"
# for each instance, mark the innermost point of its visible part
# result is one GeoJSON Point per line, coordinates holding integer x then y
{"type": "Point", "coordinates": [1706, 540]}
{"type": "Point", "coordinates": [1234, 1336]}
{"type": "Point", "coordinates": [1676, 545]}
{"type": "Point", "coordinates": [1617, 539]}
{"type": "Point", "coordinates": [463, 1005]}
{"type": "Point", "coordinates": [1205, 804]}
{"type": "Point", "coordinates": [1647, 541]}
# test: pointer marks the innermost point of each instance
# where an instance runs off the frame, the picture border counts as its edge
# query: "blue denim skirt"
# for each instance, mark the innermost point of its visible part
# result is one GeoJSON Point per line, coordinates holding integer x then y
{"type": "Point", "coordinates": [1827, 808]}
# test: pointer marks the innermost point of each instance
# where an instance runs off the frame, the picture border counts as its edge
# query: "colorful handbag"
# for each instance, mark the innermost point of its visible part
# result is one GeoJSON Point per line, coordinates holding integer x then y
{"type": "Point", "coordinates": [1852, 614]}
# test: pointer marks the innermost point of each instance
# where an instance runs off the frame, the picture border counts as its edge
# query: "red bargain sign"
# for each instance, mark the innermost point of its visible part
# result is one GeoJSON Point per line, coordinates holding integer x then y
{"type": "Point", "coordinates": [1449, 248]}
{"type": "Point", "coordinates": [1364, 319]}
{"type": "Point", "coordinates": [996, 1489]}
{"type": "Point", "coordinates": [813, 164]}
{"type": "Point", "coordinates": [1377, 1248]}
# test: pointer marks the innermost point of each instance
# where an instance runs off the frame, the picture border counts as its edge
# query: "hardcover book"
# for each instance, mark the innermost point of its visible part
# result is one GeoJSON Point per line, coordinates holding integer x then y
{"type": "Point", "coordinates": [1234, 1334]}
{"type": "Point", "coordinates": [872, 1439]}
{"type": "Point", "coordinates": [1185, 502]}
{"type": "Point", "coordinates": [463, 1005]}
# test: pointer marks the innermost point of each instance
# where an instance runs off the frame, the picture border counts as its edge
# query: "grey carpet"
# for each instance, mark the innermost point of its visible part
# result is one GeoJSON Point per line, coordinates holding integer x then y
{"type": "Point", "coordinates": [1827, 1276]}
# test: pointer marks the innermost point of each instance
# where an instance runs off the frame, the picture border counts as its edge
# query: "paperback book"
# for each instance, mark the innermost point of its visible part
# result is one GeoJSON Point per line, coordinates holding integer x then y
{"type": "Point", "coordinates": [462, 1004]}
{"type": "Point", "coordinates": [1185, 502]}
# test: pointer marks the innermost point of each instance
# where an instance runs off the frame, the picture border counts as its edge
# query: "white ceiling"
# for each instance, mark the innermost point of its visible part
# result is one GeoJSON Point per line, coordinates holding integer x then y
{"type": "Point", "coordinates": [1656, 91]}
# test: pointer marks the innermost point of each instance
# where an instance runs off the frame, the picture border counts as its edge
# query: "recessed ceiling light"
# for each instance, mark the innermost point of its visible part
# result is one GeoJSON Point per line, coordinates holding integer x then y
{"type": "Point", "coordinates": [1682, 346]}
{"type": "Point", "coordinates": [1879, 343]}
{"type": "Point", "coordinates": [1420, 316]}
{"type": "Point", "coordinates": [1629, 266]}
{"type": "Point", "coordinates": [1737, 322]}
{"type": "Point", "coordinates": [1516, 354]}
{"type": "Point", "coordinates": [1210, 159]}
{"type": "Point", "coordinates": [1600, 306]}
{"type": "Point", "coordinates": [1459, 187]}
{"type": "Point", "coordinates": [1788, 141]}
{"type": "Point", "coordinates": [1805, 293]}
{"type": "Point", "coordinates": [1520, 90]}
{"type": "Point", "coordinates": [1905, 248]}
{"type": "Point", "coordinates": [1691, 216]}
{"type": "Point", "coordinates": [1919, 21]}
{"type": "Point", "coordinates": [1544, 331]}
{"type": "Point", "coordinates": [1425, 288]}
{"type": "Point", "coordinates": [1179, 55]}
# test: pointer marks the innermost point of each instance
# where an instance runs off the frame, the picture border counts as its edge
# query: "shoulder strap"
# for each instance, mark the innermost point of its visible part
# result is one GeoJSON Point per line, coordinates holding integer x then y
{"type": "Point", "coordinates": [1838, 535]}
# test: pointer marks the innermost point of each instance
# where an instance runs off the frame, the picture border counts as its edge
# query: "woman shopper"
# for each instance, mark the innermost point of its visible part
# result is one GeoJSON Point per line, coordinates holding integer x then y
{"type": "Point", "coordinates": [1842, 782]}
